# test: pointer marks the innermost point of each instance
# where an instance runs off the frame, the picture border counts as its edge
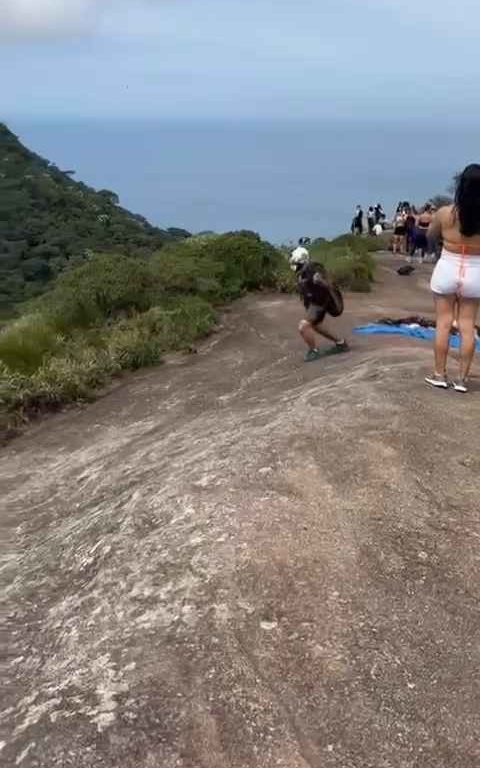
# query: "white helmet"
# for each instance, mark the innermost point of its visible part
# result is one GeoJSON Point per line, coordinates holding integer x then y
{"type": "Point", "coordinates": [299, 257]}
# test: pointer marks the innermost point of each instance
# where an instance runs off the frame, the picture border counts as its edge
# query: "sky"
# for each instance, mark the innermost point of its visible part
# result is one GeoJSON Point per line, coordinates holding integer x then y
{"type": "Point", "coordinates": [239, 59]}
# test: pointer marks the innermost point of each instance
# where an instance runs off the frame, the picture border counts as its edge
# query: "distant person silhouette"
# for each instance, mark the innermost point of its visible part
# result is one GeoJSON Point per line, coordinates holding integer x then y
{"type": "Point", "coordinates": [357, 223]}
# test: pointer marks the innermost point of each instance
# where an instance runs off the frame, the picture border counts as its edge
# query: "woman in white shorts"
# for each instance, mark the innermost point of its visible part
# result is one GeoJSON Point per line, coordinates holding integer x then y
{"type": "Point", "coordinates": [456, 277]}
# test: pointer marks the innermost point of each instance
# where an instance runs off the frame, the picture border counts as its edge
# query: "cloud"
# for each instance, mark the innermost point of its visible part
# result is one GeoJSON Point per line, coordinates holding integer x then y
{"type": "Point", "coordinates": [37, 19]}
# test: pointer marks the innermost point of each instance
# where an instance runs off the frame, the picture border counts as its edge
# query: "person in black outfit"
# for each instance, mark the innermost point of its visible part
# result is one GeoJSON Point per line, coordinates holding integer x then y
{"type": "Point", "coordinates": [357, 223]}
{"type": "Point", "coordinates": [410, 227]}
{"type": "Point", "coordinates": [320, 297]}
{"type": "Point", "coordinates": [371, 219]}
{"type": "Point", "coordinates": [379, 214]}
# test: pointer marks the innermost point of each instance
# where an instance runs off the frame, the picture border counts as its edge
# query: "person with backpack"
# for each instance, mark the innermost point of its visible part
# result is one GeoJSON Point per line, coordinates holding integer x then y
{"type": "Point", "coordinates": [371, 219]}
{"type": "Point", "coordinates": [357, 221]}
{"type": "Point", "coordinates": [320, 297]}
{"type": "Point", "coordinates": [379, 214]}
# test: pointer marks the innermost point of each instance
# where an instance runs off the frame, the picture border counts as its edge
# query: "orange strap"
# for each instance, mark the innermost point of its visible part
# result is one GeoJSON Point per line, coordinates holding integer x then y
{"type": "Point", "coordinates": [462, 269]}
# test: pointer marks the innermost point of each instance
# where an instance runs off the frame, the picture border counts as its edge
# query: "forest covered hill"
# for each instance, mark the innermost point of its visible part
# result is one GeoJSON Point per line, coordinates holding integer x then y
{"type": "Point", "coordinates": [49, 221]}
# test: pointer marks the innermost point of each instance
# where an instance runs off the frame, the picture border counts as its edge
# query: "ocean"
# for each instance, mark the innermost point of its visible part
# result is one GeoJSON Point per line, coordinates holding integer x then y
{"type": "Point", "coordinates": [284, 180]}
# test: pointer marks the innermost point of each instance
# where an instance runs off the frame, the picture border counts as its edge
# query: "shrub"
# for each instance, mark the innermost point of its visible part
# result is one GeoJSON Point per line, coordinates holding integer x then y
{"type": "Point", "coordinates": [285, 280]}
{"type": "Point", "coordinates": [349, 269]}
{"type": "Point", "coordinates": [99, 289]}
{"type": "Point", "coordinates": [175, 324]}
{"type": "Point", "coordinates": [218, 267]}
{"type": "Point", "coordinates": [88, 360]}
{"type": "Point", "coordinates": [188, 270]}
{"type": "Point", "coordinates": [110, 313]}
{"type": "Point", "coordinates": [248, 262]}
{"type": "Point", "coordinates": [25, 342]}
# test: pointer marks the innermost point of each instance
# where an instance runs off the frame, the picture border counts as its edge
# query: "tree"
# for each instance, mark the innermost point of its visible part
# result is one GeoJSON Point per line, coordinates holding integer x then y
{"type": "Point", "coordinates": [47, 216]}
{"type": "Point", "coordinates": [110, 197]}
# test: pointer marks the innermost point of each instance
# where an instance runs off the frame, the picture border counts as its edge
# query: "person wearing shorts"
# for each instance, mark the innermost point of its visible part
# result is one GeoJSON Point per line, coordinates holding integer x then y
{"type": "Point", "coordinates": [399, 232]}
{"type": "Point", "coordinates": [456, 277]}
{"type": "Point", "coordinates": [420, 237]}
{"type": "Point", "coordinates": [320, 297]}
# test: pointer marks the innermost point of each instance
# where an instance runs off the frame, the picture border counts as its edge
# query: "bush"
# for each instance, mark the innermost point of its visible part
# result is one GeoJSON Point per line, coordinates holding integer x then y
{"type": "Point", "coordinates": [351, 270]}
{"type": "Point", "coordinates": [99, 289]}
{"type": "Point", "coordinates": [112, 313]}
{"type": "Point", "coordinates": [218, 267]}
{"type": "Point", "coordinates": [88, 360]}
{"type": "Point", "coordinates": [25, 342]}
{"type": "Point", "coordinates": [249, 263]}
{"type": "Point", "coordinates": [358, 244]}
{"type": "Point", "coordinates": [188, 270]}
{"type": "Point", "coordinates": [285, 280]}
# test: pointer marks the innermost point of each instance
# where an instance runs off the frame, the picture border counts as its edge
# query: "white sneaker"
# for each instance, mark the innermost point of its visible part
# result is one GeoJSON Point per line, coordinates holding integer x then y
{"type": "Point", "coordinates": [437, 380]}
{"type": "Point", "coordinates": [460, 386]}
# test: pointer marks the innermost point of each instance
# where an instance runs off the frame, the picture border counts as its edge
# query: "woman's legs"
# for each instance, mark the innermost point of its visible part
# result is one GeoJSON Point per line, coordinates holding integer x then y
{"type": "Point", "coordinates": [467, 314]}
{"type": "Point", "coordinates": [444, 308]}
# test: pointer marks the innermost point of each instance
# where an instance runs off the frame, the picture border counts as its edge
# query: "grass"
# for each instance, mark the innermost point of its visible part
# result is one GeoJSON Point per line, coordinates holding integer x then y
{"type": "Point", "coordinates": [116, 313]}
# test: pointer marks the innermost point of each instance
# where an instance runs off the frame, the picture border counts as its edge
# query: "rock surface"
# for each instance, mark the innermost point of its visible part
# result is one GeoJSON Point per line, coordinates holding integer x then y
{"type": "Point", "coordinates": [240, 561]}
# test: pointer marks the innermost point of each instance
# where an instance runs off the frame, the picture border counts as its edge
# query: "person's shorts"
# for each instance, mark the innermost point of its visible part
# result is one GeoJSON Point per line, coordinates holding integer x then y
{"type": "Point", "coordinates": [315, 314]}
{"type": "Point", "coordinates": [457, 275]}
{"type": "Point", "coordinates": [400, 231]}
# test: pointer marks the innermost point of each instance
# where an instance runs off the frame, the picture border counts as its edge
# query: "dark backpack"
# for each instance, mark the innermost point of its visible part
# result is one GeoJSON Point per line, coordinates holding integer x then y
{"type": "Point", "coordinates": [327, 296]}
{"type": "Point", "coordinates": [406, 270]}
{"type": "Point", "coordinates": [335, 305]}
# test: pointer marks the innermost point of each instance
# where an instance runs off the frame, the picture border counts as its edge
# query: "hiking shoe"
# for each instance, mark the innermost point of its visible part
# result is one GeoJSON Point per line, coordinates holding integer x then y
{"type": "Point", "coordinates": [437, 380]}
{"type": "Point", "coordinates": [311, 355]}
{"type": "Point", "coordinates": [460, 386]}
{"type": "Point", "coordinates": [340, 346]}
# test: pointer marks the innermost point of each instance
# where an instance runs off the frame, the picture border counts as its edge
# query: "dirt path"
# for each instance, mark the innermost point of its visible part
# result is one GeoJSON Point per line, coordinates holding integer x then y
{"type": "Point", "coordinates": [240, 561]}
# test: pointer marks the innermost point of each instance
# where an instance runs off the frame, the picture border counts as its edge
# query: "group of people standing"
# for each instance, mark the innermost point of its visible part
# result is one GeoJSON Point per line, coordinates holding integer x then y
{"type": "Point", "coordinates": [455, 283]}
{"type": "Point", "coordinates": [375, 220]}
{"type": "Point", "coordinates": [410, 230]}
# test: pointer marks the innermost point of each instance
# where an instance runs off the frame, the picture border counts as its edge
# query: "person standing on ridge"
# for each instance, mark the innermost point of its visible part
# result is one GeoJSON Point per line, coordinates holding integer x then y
{"type": "Point", "coordinates": [357, 223]}
{"type": "Point", "coordinates": [456, 277]}
{"type": "Point", "coordinates": [399, 232]}
{"type": "Point", "coordinates": [371, 219]}
{"type": "Point", "coordinates": [419, 240]}
{"type": "Point", "coordinates": [320, 297]}
{"type": "Point", "coordinates": [380, 215]}
{"type": "Point", "coordinates": [410, 226]}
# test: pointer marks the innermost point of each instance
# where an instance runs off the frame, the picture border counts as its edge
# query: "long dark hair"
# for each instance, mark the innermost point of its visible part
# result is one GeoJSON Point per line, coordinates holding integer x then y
{"type": "Point", "coordinates": [467, 200]}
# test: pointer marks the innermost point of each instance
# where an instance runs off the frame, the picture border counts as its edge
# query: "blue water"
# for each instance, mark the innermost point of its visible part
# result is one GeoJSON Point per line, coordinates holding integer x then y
{"type": "Point", "coordinates": [282, 180]}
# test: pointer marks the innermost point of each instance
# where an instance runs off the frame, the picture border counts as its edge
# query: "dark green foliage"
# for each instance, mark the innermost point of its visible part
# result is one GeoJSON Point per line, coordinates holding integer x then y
{"type": "Point", "coordinates": [98, 290]}
{"type": "Point", "coordinates": [48, 222]}
{"type": "Point", "coordinates": [113, 312]}
{"type": "Point", "coordinates": [218, 267]}
{"type": "Point", "coordinates": [116, 293]}
{"type": "Point", "coordinates": [248, 262]}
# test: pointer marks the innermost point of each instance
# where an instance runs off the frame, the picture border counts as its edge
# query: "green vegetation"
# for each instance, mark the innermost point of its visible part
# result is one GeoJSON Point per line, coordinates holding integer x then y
{"type": "Point", "coordinates": [115, 312]}
{"type": "Point", "coordinates": [348, 260]}
{"type": "Point", "coordinates": [103, 291]}
{"type": "Point", "coordinates": [49, 222]}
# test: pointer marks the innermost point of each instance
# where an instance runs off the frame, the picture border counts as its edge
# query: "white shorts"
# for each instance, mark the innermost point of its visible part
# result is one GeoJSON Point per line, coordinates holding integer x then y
{"type": "Point", "coordinates": [457, 274]}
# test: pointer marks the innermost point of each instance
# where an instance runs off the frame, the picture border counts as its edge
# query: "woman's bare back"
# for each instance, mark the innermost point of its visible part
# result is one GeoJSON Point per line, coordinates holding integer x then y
{"type": "Point", "coordinates": [446, 224]}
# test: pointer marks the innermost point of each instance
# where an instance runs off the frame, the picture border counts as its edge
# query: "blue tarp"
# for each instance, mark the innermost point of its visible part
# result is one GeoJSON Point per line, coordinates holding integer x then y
{"type": "Point", "coordinates": [414, 331]}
